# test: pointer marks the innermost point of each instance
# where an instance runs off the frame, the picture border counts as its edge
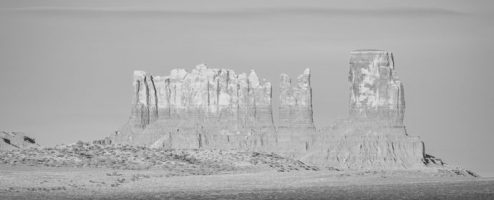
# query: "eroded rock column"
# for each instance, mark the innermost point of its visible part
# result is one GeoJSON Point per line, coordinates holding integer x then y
{"type": "Point", "coordinates": [295, 110]}
{"type": "Point", "coordinates": [373, 137]}
{"type": "Point", "coordinates": [376, 93]}
{"type": "Point", "coordinates": [144, 103]}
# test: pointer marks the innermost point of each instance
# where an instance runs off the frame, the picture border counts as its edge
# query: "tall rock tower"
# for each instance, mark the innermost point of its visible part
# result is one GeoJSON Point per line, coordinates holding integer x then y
{"type": "Point", "coordinates": [144, 101]}
{"type": "Point", "coordinates": [295, 110]}
{"type": "Point", "coordinates": [373, 137]}
{"type": "Point", "coordinates": [376, 93]}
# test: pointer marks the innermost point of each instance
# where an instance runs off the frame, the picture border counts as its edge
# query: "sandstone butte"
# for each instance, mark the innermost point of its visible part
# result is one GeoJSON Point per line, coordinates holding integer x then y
{"type": "Point", "coordinates": [211, 108]}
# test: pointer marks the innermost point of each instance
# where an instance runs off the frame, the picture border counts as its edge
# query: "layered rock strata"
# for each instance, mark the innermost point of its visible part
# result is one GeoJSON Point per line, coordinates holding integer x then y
{"type": "Point", "coordinates": [295, 109]}
{"type": "Point", "coordinates": [213, 108]}
{"type": "Point", "coordinates": [203, 95]}
{"type": "Point", "coordinates": [193, 103]}
{"type": "Point", "coordinates": [360, 152]}
{"type": "Point", "coordinates": [374, 136]}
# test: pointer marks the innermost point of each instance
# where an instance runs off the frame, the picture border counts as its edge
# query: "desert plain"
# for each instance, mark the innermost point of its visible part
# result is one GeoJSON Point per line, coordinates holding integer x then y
{"type": "Point", "coordinates": [86, 171]}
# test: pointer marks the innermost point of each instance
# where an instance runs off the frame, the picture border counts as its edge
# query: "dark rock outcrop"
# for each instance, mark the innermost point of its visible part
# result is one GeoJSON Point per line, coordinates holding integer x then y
{"type": "Point", "coordinates": [16, 140]}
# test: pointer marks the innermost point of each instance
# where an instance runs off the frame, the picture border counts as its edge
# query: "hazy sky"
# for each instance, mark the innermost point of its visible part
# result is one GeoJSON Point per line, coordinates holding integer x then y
{"type": "Point", "coordinates": [66, 66]}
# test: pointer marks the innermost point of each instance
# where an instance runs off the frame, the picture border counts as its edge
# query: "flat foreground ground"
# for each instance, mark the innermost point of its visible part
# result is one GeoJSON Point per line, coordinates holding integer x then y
{"type": "Point", "coordinates": [25, 182]}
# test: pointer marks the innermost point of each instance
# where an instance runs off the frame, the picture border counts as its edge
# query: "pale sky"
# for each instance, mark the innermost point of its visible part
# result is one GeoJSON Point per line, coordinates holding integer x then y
{"type": "Point", "coordinates": [66, 66]}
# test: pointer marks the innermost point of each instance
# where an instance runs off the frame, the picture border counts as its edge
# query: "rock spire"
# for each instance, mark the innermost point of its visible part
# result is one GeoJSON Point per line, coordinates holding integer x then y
{"type": "Point", "coordinates": [295, 110]}
{"type": "Point", "coordinates": [376, 93]}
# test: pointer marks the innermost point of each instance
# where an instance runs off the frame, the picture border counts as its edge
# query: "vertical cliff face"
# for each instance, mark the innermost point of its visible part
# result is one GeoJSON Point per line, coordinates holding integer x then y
{"type": "Point", "coordinates": [374, 136]}
{"type": "Point", "coordinates": [144, 103]}
{"type": "Point", "coordinates": [376, 92]}
{"type": "Point", "coordinates": [217, 108]}
{"type": "Point", "coordinates": [205, 96]}
{"type": "Point", "coordinates": [295, 110]}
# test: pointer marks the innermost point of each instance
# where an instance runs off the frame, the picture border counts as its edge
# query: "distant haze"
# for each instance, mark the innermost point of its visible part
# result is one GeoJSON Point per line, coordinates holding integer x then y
{"type": "Point", "coordinates": [66, 66]}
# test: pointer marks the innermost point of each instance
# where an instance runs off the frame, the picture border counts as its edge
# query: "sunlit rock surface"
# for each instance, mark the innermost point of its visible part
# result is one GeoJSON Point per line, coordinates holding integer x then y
{"type": "Point", "coordinates": [295, 109]}
{"type": "Point", "coordinates": [204, 95]}
{"type": "Point", "coordinates": [366, 152]}
{"type": "Point", "coordinates": [212, 108]}
{"type": "Point", "coordinates": [201, 108]}
{"type": "Point", "coordinates": [374, 136]}
{"type": "Point", "coordinates": [15, 140]}
{"type": "Point", "coordinates": [295, 122]}
{"type": "Point", "coordinates": [376, 93]}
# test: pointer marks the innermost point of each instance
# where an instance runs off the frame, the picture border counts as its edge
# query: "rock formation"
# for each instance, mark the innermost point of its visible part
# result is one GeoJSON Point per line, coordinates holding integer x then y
{"type": "Point", "coordinates": [376, 93]}
{"type": "Point", "coordinates": [204, 95]}
{"type": "Point", "coordinates": [218, 109]}
{"type": "Point", "coordinates": [191, 103]}
{"type": "Point", "coordinates": [15, 140]}
{"type": "Point", "coordinates": [366, 152]}
{"type": "Point", "coordinates": [295, 110]}
{"type": "Point", "coordinates": [374, 136]}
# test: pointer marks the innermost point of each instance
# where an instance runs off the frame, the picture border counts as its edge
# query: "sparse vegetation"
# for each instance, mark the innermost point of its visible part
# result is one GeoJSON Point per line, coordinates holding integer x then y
{"type": "Point", "coordinates": [126, 157]}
